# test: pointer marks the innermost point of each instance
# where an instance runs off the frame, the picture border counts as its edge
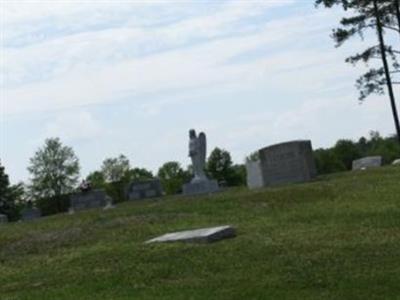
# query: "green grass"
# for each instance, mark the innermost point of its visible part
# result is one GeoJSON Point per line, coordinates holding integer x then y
{"type": "Point", "coordinates": [336, 238]}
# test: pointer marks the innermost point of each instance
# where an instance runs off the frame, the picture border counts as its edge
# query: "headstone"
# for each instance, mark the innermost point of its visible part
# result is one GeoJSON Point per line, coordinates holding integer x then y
{"type": "Point", "coordinates": [204, 235]}
{"type": "Point", "coordinates": [396, 162]}
{"type": "Point", "coordinates": [144, 189]}
{"type": "Point", "coordinates": [88, 200]}
{"type": "Point", "coordinates": [290, 162]}
{"type": "Point", "coordinates": [30, 213]}
{"type": "Point", "coordinates": [254, 174]}
{"type": "Point", "coordinates": [200, 184]}
{"type": "Point", "coordinates": [3, 218]}
{"type": "Point", "coordinates": [109, 203]}
{"type": "Point", "coordinates": [367, 162]}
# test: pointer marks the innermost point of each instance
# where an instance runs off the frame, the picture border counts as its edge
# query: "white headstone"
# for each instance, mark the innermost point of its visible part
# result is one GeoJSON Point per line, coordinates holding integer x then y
{"type": "Point", "coordinates": [396, 162]}
{"type": "Point", "coordinates": [367, 162]}
{"type": "Point", "coordinates": [203, 235]}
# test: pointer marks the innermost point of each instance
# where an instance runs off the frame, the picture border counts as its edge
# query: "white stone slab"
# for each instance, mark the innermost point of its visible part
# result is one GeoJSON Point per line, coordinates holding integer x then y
{"type": "Point", "coordinates": [367, 162]}
{"type": "Point", "coordinates": [203, 235]}
{"type": "Point", "coordinates": [396, 162]}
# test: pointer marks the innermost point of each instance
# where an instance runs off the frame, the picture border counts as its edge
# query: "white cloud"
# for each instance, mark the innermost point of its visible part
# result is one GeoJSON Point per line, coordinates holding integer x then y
{"type": "Point", "coordinates": [79, 81]}
{"type": "Point", "coordinates": [73, 126]}
{"type": "Point", "coordinates": [175, 67]}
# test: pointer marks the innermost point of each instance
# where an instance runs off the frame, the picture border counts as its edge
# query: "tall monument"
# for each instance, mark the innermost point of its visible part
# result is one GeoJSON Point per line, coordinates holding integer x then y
{"type": "Point", "coordinates": [200, 184]}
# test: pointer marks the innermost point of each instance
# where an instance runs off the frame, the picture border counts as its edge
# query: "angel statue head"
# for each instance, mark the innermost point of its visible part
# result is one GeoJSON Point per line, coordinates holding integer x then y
{"type": "Point", "coordinates": [197, 152]}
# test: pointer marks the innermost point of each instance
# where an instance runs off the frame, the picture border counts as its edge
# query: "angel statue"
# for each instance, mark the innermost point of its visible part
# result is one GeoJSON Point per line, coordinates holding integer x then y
{"type": "Point", "coordinates": [197, 152]}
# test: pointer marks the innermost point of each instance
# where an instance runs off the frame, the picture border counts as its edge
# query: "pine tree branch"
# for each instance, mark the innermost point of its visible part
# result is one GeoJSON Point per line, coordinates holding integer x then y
{"type": "Point", "coordinates": [391, 28]}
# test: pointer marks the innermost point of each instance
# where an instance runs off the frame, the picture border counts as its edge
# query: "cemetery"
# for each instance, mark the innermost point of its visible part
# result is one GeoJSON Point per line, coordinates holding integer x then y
{"type": "Point", "coordinates": [285, 241]}
{"type": "Point", "coordinates": [199, 150]}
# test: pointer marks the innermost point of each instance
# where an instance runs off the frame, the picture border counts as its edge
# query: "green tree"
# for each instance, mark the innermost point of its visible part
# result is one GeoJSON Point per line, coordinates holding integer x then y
{"type": "Point", "coordinates": [54, 170]}
{"type": "Point", "coordinates": [327, 162]}
{"type": "Point", "coordinates": [387, 147]}
{"type": "Point", "coordinates": [345, 151]}
{"type": "Point", "coordinates": [96, 179]}
{"type": "Point", "coordinates": [172, 177]}
{"type": "Point", "coordinates": [219, 165]}
{"type": "Point", "coordinates": [139, 174]}
{"type": "Point", "coordinates": [381, 16]}
{"type": "Point", "coordinates": [255, 156]}
{"type": "Point", "coordinates": [9, 196]}
{"type": "Point", "coordinates": [114, 169]}
{"type": "Point", "coordinates": [238, 175]}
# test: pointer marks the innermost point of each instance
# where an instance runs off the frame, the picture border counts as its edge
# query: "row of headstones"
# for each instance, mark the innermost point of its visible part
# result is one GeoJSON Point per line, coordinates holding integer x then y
{"type": "Point", "coordinates": [290, 162]}
{"type": "Point", "coordinates": [28, 213]}
{"type": "Point", "coordinates": [98, 198]}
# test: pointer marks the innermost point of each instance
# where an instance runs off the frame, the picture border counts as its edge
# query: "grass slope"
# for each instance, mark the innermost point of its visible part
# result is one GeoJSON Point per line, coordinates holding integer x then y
{"type": "Point", "coordinates": [336, 238]}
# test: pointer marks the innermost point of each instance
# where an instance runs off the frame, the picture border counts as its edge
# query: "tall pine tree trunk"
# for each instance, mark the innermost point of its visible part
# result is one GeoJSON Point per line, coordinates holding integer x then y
{"type": "Point", "coordinates": [397, 8]}
{"type": "Point", "coordinates": [386, 67]}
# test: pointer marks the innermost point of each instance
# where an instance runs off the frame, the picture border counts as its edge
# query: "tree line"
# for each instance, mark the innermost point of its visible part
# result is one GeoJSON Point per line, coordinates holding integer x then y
{"type": "Point", "coordinates": [54, 175]}
{"type": "Point", "coordinates": [340, 157]}
{"type": "Point", "coordinates": [55, 169]}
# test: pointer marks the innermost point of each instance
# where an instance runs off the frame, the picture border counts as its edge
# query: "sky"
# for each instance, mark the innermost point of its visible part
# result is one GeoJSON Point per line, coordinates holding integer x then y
{"type": "Point", "coordinates": [132, 77]}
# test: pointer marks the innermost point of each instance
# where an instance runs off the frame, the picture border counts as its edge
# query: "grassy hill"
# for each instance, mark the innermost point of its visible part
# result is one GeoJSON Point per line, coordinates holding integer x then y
{"type": "Point", "coordinates": [336, 238]}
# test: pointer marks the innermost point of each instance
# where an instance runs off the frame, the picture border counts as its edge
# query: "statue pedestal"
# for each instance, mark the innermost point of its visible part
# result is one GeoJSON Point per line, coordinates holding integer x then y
{"type": "Point", "coordinates": [198, 187]}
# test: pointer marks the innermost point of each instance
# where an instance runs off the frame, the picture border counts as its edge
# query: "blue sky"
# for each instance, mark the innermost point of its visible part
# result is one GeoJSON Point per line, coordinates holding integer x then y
{"type": "Point", "coordinates": [132, 77]}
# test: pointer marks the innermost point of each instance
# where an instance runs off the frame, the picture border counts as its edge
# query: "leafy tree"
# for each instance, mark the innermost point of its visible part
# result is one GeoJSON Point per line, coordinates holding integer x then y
{"type": "Point", "coordinates": [9, 195]}
{"type": "Point", "coordinates": [54, 169]}
{"type": "Point", "coordinates": [238, 175]}
{"type": "Point", "coordinates": [388, 148]}
{"type": "Point", "coordinates": [219, 165]}
{"type": "Point", "coordinates": [114, 169]}
{"type": "Point", "coordinates": [327, 162]}
{"type": "Point", "coordinates": [346, 151]}
{"type": "Point", "coordinates": [340, 157]}
{"type": "Point", "coordinates": [381, 16]}
{"type": "Point", "coordinates": [172, 177]}
{"type": "Point", "coordinates": [139, 174]}
{"type": "Point", "coordinates": [221, 168]}
{"type": "Point", "coordinates": [255, 156]}
{"type": "Point", "coordinates": [96, 179]}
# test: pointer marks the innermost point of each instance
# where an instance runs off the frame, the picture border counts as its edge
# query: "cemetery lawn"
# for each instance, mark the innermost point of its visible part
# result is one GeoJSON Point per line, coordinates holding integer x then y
{"type": "Point", "coordinates": [335, 238]}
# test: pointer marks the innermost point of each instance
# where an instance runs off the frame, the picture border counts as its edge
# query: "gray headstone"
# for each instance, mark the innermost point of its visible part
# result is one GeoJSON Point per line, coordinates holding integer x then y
{"type": "Point", "coordinates": [204, 235]}
{"type": "Point", "coordinates": [254, 174]}
{"type": "Point", "coordinates": [28, 214]}
{"type": "Point", "coordinates": [289, 162]}
{"type": "Point", "coordinates": [3, 218]}
{"type": "Point", "coordinates": [203, 186]}
{"type": "Point", "coordinates": [88, 200]}
{"type": "Point", "coordinates": [367, 162]}
{"type": "Point", "coordinates": [144, 189]}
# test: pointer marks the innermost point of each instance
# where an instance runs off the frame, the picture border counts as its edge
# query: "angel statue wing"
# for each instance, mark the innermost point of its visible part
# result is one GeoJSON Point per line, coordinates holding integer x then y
{"type": "Point", "coordinates": [202, 147]}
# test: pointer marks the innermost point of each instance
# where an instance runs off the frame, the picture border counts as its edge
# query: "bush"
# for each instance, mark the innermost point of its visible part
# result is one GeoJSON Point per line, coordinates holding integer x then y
{"type": "Point", "coordinates": [53, 205]}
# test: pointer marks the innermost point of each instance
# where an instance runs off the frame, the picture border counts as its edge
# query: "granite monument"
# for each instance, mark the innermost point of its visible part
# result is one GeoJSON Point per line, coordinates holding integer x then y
{"type": "Point", "coordinates": [89, 199]}
{"type": "Point", "coordinates": [30, 212]}
{"type": "Point", "coordinates": [367, 162]}
{"type": "Point", "coordinates": [200, 184]}
{"type": "Point", "coordinates": [290, 162]}
{"type": "Point", "coordinates": [144, 189]}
